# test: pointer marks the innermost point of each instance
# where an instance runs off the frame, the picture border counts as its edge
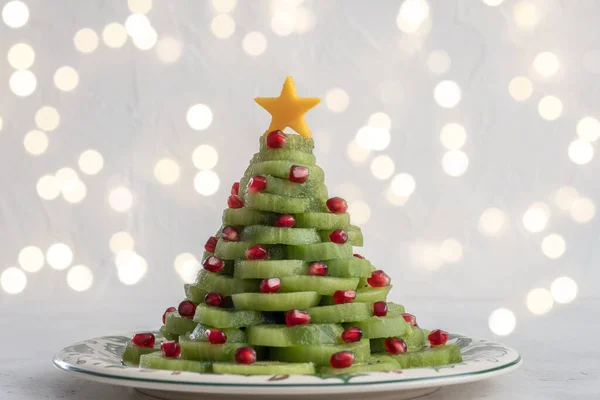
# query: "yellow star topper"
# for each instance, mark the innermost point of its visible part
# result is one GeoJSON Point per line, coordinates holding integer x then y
{"type": "Point", "coordinates": [288, 109]}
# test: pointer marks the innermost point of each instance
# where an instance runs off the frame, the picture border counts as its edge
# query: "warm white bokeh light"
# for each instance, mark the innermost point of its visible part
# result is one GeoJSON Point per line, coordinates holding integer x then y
{"type": "Point", "coordinates": [137, 24]}
{"type": "Point", "coordinates": [455, 163]}
{"type": "Point", "coordinates": [447, 94]}
{"type": "Point", "coordinates": [224, 6]}
{"type": "Point", "coordinates": [47, 187]}
{"type": "Point", "coordinates": [199, 117]}
{"type": "Point", "coordinates": [86, 40]}
{"type": "Point", "coordinates": [283, 23]}
{"type": "Point", "coordinates": [131, 267]}
{"type": "Point", "coordinates": [47, 118]}
{"type": "Point", "coordinates": [581, 152]}
{"type": "Point", "coordinates": [145, 39]}
{"type": "Point", "coordinates": [13, 280]}
{"type": "Point", "coordinates": [453, 136]}
{"type": "Point", "coordinates": [536, 217]}
{"type": "Point", "coordinates": [553, 246]}
{"type": "Point", "coordinates": [169, 50]}
{"type": "Point", "coordinates": [120, 199]}
{"type": "Point", "coordinates": [520, 88]}
{"type": "Point", "coordinates": [395, 199]}
{"type": "Point", "coordinates": [412, 14]}
{"type": "Point", "coordinates": [167, 171]}
{"type": "Point", "coordinates": [205, 157]}
{"type": "Point", "coordinates": [36, 142]}
{"type": "Point", "coordinates": [187, 266]}
{"type": "Point", "coordinates": [380, 120]}
{"type": "Point", "coordinates": [360, 212]}
{"type": "Point", "coordinates": [305, 19]}
{"type": "Point", "coordinates": [22, 83]}
{"type": "Point", "coordinates": [539, 301]}
{"type": "Point", "coordinates": [426, 254]}
{"type": "Point", "coordinates": [526, 15]}
{"type": "Point", "coordinates": [121, 241]}
{"type": "Point", "coordinates": [588, 129]}
{"type": "Point", "coordinates": [492, 222]}
{"type": "Point", "coordinates": [254, 43]}
{"type": "Point", "coordinates": [222, 26]}
{"type": "Point", "coordinates": [206, 183]}
{"type": "Point", "coordinates": [59, 256]}
{"type": "Point", "coordinates": [565, 197]}
{"type": "Point", "coordinates": [564, 290]}
{"type": "Point", "coordinates": [546, 64]}
{"type": "Point", "coordinates": [550, 108]}
{"type": "Point", "coordinates": [139, 6]}
{"type": "Point", "coordinates": [356, 152]}
{"type": "Point", "coordinates": [15, 14]}
{"type": "Point", "coordinates": [80, 278]}
{"type": "Point", "coordinates": [66, 78]}
{"type": "Point", "coordinates": [451, 250]}
{"type": "Point", "coordinates": [31, 259]}
{"type": "Point", "coordinates": [493, 3]}
{"type": "Point", "coordinates": [382, 167]}
{"type": "Point", "coordinates": [114, 35]}
{"type": "Point", "coordinates": [502, 322]}
{"type": "Point", "coordinates": [438, 62]}
{"type": "Point", "coordinates": [66, 178]}
{"type": "Point", "coordinates": [75, 193]}
{"type": "Point", "coordinates": [21, 56]}
{"type": "Point", "coordinates": [90, 162]}
{"type": "Point", "coordinates": [403, 185]}
{"type": "Point", "coordinates": [337, 100]}
{"type": "Point", "coordinates": [582, 210]}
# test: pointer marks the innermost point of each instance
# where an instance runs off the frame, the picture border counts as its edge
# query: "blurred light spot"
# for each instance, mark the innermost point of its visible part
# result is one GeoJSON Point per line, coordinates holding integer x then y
{"type": "Point", "coordinates": [395, 199]}
{"type": "Point", "coordinates": [502, 322]}
{"type": "Point", "coordinates": [36, 142]}
{"type": "Point", "coordinates": [139, 6]}
{"type": "Point", "coordinates": [553, 246]}
{"type": "Point", "coordinates": [254, 43]}
{"type": "Point", "coordinates": [283, 23]}
{"type": "Point", "coordinates": [536, 217]}
{"type": "Point", "coordinates": [550, 108]}
{"type": "Point", "coordinates": [447, 94]}
{"type": "Point", "coordinates": [539, 301]}
{"type": "Point", "coordinates": [169, 50]}
{"type": "Point", "coordinates": [411, 15]}
{"type": "Point", "coordinates": [121, 241]}
{"type": "Point", "coordinates": [22, 83]}
{"type": "Point", "coordinates": [199, 117]}
{"type": "Point", "coordinates": [182, 259]}
{"type": "Point", "coordinates": [564, 290]}
{"type": "Point", "coordinates": [75, 193]}
{"type": "Point", "coordinates": [120, 199]}
{"type": "Point", "coordinates": [187, 266]}
{"type": "Point", "coordinates": [453, 136]}
{"type": "Point", "coordinates": [206, 183]}
{"type": "Point", "coordinates": [90, 162]}
{"type": "Point", "coordinates": [583, 210]}
{"type": "Point", "coordinates": [356, 152]}
{"type": "Point", "coordinates": [520, 88]}
{"type": "Point", "coordinates": [47, 187]}
{"type": "Point", "coordinates": [337, 100]}
{"type": "Point", "coordinates": [378, 139]}
{"type": "Point", "coordinates": [438, 62]}
{"type": "Point", "coordinates": [581, 152]}
{"type": "Point", "coordinates": [114, 35]}
{"type": "Point", "coordinates": [66, 178]}
{"type": "Point", "coordinates": [455, 163]}
{"type": "Point", "coordinates": [565, 197]}
{"type": "Point", "coordinates": [136, 24]}
{"type": "Point", "coordinates": [382, 167]}
{"type": "Point", "coordinates": [525, 15]}
{"type": "Point", "coordinates": [360, 212]}
{"type": "Point", "coordinates": [145, 39]}
{"type": "Point", "coordinates": [80, 278]}
{"type": "Point", "coordinates": [21, 56]}
{"type": "Point", "coordinates": [492, 222]}
{"type": "Point", "coordinates": [131, 267]}
{"type": "Point", "coordinates": [47, 118]}
{"type": "Point", "coordinates": [451, 250]}
{"type": "Point", "coordinates": [380, 120]}
{"type": "Point", "coordinates": [425, 254]}
{"type": "Point", "coordinates": [15, 14]}
{"type": "Point", "coordinates": [66, 78]}
{"type": "Point", "coordinates": [31, 259]}
{"type": "Point", "coordinates": [59, 256]}
{"type": "Point", "coordinates": [546, 64]}
{"type": "Point", "coordinates": [493, 3]}
{"type": "Point", "coordinates": [222, 26]}
{"type": "Point", "coordinates": [224, 5]}
{"type": "Point", "coordinates": [591, 61]}
{"type": "Point", "coordinates": [403, 185]}
{"type": "Point", "coordinates": [13, 280]}
{"type": "Point", "coordinates": [86, 40]}
{"type": "Point", "coordinates": [1, 123]}
{"type": "Point", "coordinates": [588, 129]}
{"type": "Point", "coordinates": [205, 157]}
{"type": "Point", "coordinates": [167, 171]}
{"type": "Point", "coordinates": [305, 20]}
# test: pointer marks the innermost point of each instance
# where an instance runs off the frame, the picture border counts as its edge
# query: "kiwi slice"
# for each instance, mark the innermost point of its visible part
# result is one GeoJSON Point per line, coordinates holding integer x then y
{"type": "Point", "coordinates": [226, 285]}
{"type": "Point", "coordinates": [382, 327]}
{"type": "Point", "coordinates": [277, 203]}
{"type": "Point", "coordinates": [274, 235]}
{"type": "Point", "coordinates": [158, 361]}
{"type": "Point", "coordinates": [430, 357]}
{"type": "Point", "coordinates": [323, 220]}
{"type": "Point", "coordinates": [319, 251]}
{"type": "Point", "coordinates": [415, 341]}
{"type": "Point", "coordinates": [324, 285]}
{"type": "Point", "coordinates": [205, 351]}
{"type": "Point", "coordinates": [264, 368]}
{"type": "Point", "coordinates": [276, 301]}
{"type": "Point", "coordinates": [338, 313]}
{"type": "Point", "coordinates": [234, 335]}
{"type": "Point", "coordinates": [247, 216]}
{"type": "Point", "coordinates": [363, 295]}
{"type": "Point", "coordinates": [294, 142]}
{"type": "Point", "coordinates": [226, 318]}
{"type": "Point", "coordinates": [265, 269]}
{"type": "Point", "coordinates": [178, 325]}
{"type": "Point", "coordinates": [320, 354]}
{"type": "Point", "coordinates": [300, 335]}
{"type": "Point", "coordinates": [132, 353]}
{"type": "Point", "coordinates": [376, 363]}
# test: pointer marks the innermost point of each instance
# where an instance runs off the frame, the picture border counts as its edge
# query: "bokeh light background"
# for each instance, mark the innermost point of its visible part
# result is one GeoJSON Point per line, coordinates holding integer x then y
{"type": "Point", "coordinates": [462, 133]}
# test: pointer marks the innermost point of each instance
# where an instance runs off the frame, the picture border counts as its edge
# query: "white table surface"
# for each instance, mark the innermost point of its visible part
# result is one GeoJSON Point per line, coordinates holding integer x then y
{"type": "Point", "coordinates": [561, 350]}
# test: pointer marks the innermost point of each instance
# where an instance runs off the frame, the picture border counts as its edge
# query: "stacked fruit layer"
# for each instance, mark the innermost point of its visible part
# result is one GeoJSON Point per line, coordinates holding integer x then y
{"type": "Point", "coordinates": [281, 291]}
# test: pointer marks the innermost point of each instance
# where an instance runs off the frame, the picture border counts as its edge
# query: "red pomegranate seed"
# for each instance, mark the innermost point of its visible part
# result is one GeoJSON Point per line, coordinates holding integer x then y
{"type": "Point", "coordinates": [170, 349]}
{"type": "Point", "coordinates": [215, 336]}
{"type": "Point", "coordinates": [143, 339]}
{"type": "Point", "coordinates": [230, 234]}
{"type": "Point", "coordinates": [318, 268]}
{"type": "Point", "coordinates": [298, 174]}
{"type": "Point", "coordinates": [395, 346]}
{"type": "Point", "coordinates": [337, 205]}
{"type": "Point", "coordinates": [214, 299]}
{"type": "Point", "coordinates": [235, 188]}
{"type": "Point", "coordinates": [351, 335]}
{"type": "Point", "coordinates": [276, 140]}
{"type": "Point", "coordinates": [342, 359]}
{"type": "Point", "coordinates": [235, 201]}
{"type": "Point", "coordinates": [213, 264]}
{"type": "Point", "coordinates": [270, 285]}
{"type": "Point", "coordinates": [358, 256]}
{"type": "Point", "coordinates": [285, 221]}
{"type": "Point", "coordinates": [344, 296]}
{"type": "Point", "coordinates": [380, 309]}
{"type": "Point", "coordinates": [256, 184]}
{"type": "Point", "coordinates": [168, 310]}
{"type": "Point", "coordinates": [187, 309]}
{"type": "Point", "coordinates": [211, 244]}
{"type": "Point", "coordinates": [338, 236]}
{"type": "Point", "coordinates": [379, 279]}
{"type": "Point", "coordinates": [297, 317]}
{"type": "Point", "coordinates": [257, 252]}
{"type": "Point", "coordinates": [245, 355]}
{"type": "Point", "coordinates": [438, 337]}
{"type": "Point", "coordinates": [411, 319]}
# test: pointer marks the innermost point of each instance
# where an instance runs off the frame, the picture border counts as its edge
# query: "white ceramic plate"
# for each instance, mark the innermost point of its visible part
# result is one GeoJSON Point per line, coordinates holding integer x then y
{"type": "Point", "coordinates": [99, 359]}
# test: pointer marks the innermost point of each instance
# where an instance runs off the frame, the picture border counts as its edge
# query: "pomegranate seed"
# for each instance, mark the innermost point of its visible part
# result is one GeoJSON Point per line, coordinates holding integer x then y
{"type": "Point", "coordinates": [276, 140]}
{"type": "Point", "coordinates": [270, 285]}
{"type": "Point", "coordinates": [298, 174]}
{"type": "Point", "coordinates": [256, 184]}
{"type": "Point", "coordinates": [380, 309]}
{"type": "Point", "coordinates": [213, 264]}
{"type": "Point", "coordinates": [168, 310]}
{"type": "Point", "coordinates": [438, 337]}
{"type": "Point", "coordinates": [297, 317]}
{"type": "Point", "coordinates": [285, 221]}
{"type": "Point", "coordinates": [211, 244]}
{"type": "Point", "coordinates": [235, 188]}
{"type": "Point", "coordinates": [344, 296]}
{"type": "Point", "coordinates": [143, 339]}
{"type": "Point", "coordinates": [235, 201]}
{"type": "Point", "coordinates": [318, 268]}
{"type": "Point", "coordinates": [338, 236]}
{"type": "Point", "coordinates": [411, 319]}
{"type": "Point", "coordinates": [170, 349]}
{"type": "Point", "coordinates": [187, 309]}
{"type": "Point", "coordinates": [230, 234]}
{"type": "Point", "coordinates": [379, 279]}
{"type": "Point", "coordinates": [395, 346]}
{"type": "Point", "coordinates": [352, 335]}
{"type": "Point", "coordinates": [215, 336]}
{"type": "Point", "coordinates": [342, 359]}
{"type": "Point", "coordinates": [245, 355]}
{"type": "Point", "coordinates": [358, 256]}
{"type": "Point", "coordinates": [257, 252]}
{"type": "Point", "coordinates": [214, 299]}
{"type": "Point", "coordinates": [337, 205]}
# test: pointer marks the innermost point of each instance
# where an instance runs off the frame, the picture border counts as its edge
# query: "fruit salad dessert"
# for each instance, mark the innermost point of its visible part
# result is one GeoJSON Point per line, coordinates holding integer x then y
{"type": "Point", "coordinates": [282, 290]}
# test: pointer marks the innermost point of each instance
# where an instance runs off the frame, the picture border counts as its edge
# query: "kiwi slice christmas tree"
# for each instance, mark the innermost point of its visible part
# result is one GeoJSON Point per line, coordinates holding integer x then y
{"type": "Point", "coordinates": [281, 290]}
